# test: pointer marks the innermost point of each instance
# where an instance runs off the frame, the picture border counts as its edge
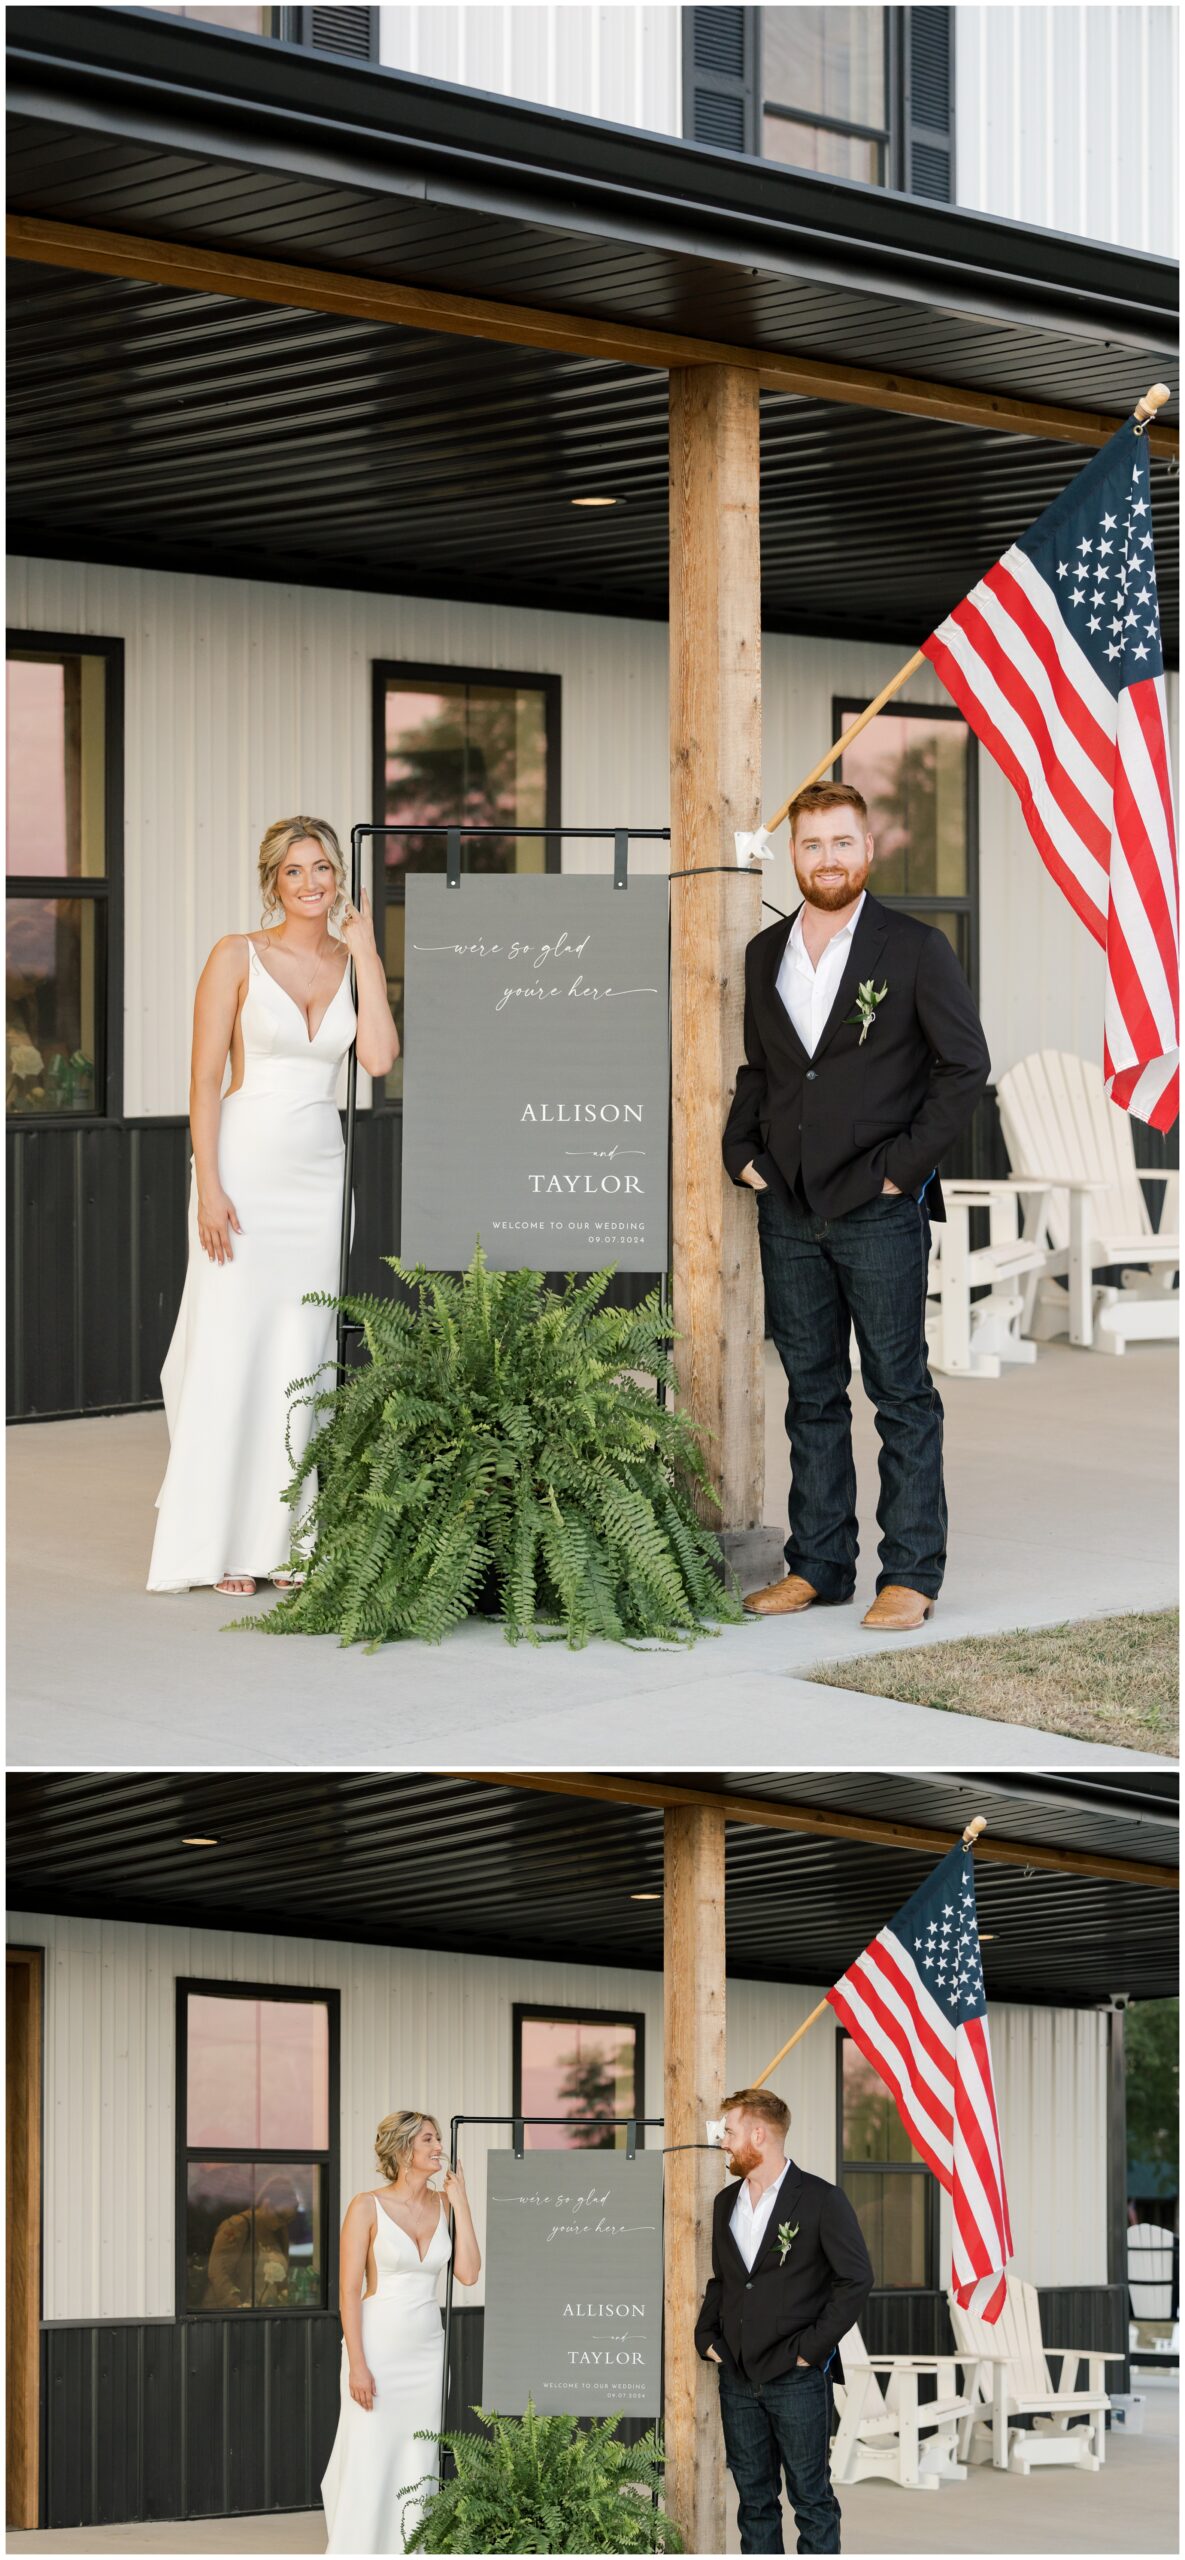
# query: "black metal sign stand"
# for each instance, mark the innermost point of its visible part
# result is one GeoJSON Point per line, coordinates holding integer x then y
{"type": "Point", "coordinates": [622, 838]}
{"type": "Point", "coordinates": [518, 2124]}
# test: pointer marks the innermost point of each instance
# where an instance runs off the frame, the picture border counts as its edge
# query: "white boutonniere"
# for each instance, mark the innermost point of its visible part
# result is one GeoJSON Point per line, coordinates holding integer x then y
{"type": "Point", "coordinates": [787, 2235]}
{"type": "Point", "coordinates": [866, 1002]}
{"type": "Point", "coordinates": [867, 999]}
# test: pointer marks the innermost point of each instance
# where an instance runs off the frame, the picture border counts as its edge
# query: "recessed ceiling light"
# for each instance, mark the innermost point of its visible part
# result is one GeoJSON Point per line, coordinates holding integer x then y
{"type": "Point", "coordinates": [595, 502]}
{"type": "Point", "coordinates": [987, 1937]}
{"type": "Point", "coordinates": [198, 1840]}
{"type": "Point", "coordinates": [645, 1897]}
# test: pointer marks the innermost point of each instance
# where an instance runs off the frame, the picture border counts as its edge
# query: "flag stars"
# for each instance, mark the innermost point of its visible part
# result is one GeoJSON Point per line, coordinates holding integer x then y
{"type": "Point", "coordinates": [1112, 651]}
{"type": "Point", "coordinates": [1141, 652]}
{"type": "Point", "coordinates": [1086, 544]}
{"type": "Point", "coordinates": [1141, 507]}
{"type": "Point", "coordinates": [1063, 568]}
{"type": "Point", "coordinates": [1105, 547]}
{"type": "Point", "coordinates": [1109, 523]}
{"type": "Point", "coordinates": [1077, 594]}
{"type": "Point", "coordinates": [1094, 623]}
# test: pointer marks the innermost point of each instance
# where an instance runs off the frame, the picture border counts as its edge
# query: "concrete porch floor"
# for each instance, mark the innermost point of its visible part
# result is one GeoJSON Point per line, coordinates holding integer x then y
{"type": "Point", "coordinates": [1130, 2505]}
{"type": "Point", "coordinates": [1062, 1488]}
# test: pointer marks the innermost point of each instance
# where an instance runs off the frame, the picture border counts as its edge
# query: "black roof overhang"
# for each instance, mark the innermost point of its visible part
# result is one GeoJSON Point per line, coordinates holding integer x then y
{"type": "Point", "coordinates": [188, 430]}
{"type": "Point", "coordinates": [429, 1860]}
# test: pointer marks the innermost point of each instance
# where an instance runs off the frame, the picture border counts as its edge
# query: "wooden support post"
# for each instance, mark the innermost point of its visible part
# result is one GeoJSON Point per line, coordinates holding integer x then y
{"type": "Point", "coordinates": [695, 2088]}
{"type": "Point", "coordinates": [715, 696]}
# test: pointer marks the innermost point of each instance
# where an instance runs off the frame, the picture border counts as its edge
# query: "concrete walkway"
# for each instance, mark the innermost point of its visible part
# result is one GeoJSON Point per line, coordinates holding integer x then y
{"type": "Point", "coordinates": [1130, 2505]}
{"type": "Point", "coordinates": [1062, 1487]}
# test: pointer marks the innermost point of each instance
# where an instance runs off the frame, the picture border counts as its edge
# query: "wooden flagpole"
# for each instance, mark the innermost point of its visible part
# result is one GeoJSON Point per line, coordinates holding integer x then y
{"type": "Point", "coordinates": [1144, 412]}
{"type": "Point", "coordinates": [977, 1824]}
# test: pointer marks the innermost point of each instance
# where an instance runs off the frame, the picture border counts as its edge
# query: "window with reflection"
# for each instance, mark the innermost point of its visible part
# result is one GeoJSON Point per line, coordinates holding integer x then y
{"type": "Point", "coordinates": [893, 2193]}
{"type": "Point", "coordinates": [582, 2068]}
{"type": "Point", "coordinates": [455, 747]}
{"type": "Point", "coordinates": [257, 2155]}
{"type": "Point", "coordinates": [63, 711]}
{"type": "Point", "coordinates": [826, 84]}
{"type": "Point", "coordinates": [917, 770]}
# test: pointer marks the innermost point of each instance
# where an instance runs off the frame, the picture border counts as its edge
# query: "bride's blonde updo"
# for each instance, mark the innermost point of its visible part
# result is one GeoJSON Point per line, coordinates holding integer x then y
{"type": "Point", "coordinates": [394, 2139]}
{"type": "Point", "coordinates": [277, 845]}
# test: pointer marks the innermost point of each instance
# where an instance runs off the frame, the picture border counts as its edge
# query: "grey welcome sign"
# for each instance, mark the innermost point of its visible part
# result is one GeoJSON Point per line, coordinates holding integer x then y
{"type": "Point", "coordinates": [573, 2315]}
{"type": "Point", "coordinates": [536, 1088]}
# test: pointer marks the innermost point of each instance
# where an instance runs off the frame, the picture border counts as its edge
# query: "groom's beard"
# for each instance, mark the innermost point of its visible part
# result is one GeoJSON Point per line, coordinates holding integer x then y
{"type": "Point", "coordinates": [744, 2160]}
{"type": "Point", "coordinates": [827, 895]}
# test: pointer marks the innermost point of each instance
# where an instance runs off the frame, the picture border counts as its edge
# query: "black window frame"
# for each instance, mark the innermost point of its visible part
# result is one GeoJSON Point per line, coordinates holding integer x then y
{"type": "Point", "coordinates": [896, 2168]}
{"type": "Point", "coordinates": [522, 2011]}
{"type": "Point", "coordinates": [926, 907]}
{"type": "Point", "coordinates": [889, 136]}
{"type": "Point", "coordinates": [299, 26]}
{"type": "Point", "coordinates": [327, 2161]}
{"type": "Point", "coordinates": [107, 891]}
{"type": "Point", "coordinates": [724, 101]}
{"type": "Point", "coordinates": [423, 671]}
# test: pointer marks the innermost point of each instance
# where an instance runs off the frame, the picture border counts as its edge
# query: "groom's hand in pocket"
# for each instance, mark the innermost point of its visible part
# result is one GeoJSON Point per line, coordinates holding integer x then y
{"type": "Point", "coordinates": [362, 2386]}
{"type": "Point", "coordinates": [712, 2356]}
{"type": "Point", "coordinates": [753, 1178]}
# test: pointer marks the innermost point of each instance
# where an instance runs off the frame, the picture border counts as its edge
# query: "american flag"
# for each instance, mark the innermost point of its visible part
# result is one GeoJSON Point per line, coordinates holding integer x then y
{"type": "Point", "coordinates": [914, 2003]}
{"type": "Point", "coordinates": [1055, 659]}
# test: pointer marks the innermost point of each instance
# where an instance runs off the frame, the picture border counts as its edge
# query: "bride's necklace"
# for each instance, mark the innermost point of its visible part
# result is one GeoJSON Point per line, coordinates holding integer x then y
{"type": "Point", "coordinates": [307, 997]}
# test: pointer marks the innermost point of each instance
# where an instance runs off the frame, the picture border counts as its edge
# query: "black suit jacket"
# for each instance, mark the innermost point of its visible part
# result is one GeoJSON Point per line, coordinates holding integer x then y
{"type": "Point", "coordinates": [858, 1113]}
{"type": "Point", "coordinates": [762, 2319]}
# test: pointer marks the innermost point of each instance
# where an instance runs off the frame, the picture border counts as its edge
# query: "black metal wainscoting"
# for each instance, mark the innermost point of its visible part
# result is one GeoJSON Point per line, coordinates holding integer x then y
{"type": "Point", "coordinates": [158, 2421]}
{"type": "Point", "coordinates": [150, 2420]}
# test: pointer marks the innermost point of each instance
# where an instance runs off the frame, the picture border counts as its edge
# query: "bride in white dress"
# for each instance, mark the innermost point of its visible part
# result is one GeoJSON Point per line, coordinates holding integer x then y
{"type": "Point", "coordinates": [394, 2249]}
{"type": "Point", "coordinates": [265, 1210]}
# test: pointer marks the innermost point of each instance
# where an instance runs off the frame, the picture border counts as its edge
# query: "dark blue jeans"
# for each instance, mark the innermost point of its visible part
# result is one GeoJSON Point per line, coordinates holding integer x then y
{"type": "Point", "coordinates": [824, 1276]}
{"type": "Point", "coordinates": [771, 2427]}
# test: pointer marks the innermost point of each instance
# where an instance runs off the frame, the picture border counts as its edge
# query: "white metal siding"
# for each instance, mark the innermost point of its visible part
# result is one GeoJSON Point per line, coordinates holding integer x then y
{"type": "Point", "coordinates": [433, 2030]}
{"type": "Point", "coordinates": [1066, 117]}
{"type": "Point", "coordinates": [247, 700]}
{"type": "Point", "coordinates": [621, 64]}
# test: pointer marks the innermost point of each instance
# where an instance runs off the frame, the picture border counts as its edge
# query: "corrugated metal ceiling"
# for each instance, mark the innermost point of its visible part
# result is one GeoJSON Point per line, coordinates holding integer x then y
{"type": "Point", "coordinates": [428, 1860]}
{"type": "Point", "coordinates": [189, 431]}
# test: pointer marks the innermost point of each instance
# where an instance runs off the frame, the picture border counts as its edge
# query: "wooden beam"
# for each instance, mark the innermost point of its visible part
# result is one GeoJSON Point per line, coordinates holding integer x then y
{"type": "Point", "coordinates": [194, 269]}
{"type": "Point", "coordinates": [826, 1823]}
{"type": "Point", "coordinates": [23, 1985]}
{"type": "Point", "coordinates": [694, 2089]}
{"type": "Point", "coordinates": [715, 710]}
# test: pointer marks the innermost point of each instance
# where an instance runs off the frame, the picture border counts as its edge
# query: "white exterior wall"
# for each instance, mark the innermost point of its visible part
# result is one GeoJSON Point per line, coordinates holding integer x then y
{"type": "Point", "coordinates": [622, 64]}
{"type": "Point", "coordinates": [246, 700]}
{"type": "Point", "coordinates": [434, 2030]}
{"type": "Point", "coordinates": [1066, 117]}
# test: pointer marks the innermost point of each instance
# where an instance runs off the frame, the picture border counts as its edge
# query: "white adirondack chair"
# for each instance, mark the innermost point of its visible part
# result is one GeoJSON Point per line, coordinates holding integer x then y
{"type": "Point", "coordinates": [1155, 2329]}
{"type": "Point", "coordinates": [884, 2431]}
{"type": "Point", "coordinates": [1062, 1132]}
{"type": "Point", "coordinates": [971, 1337]}
{"type": "Point", "coordinates": [1007, 2377]}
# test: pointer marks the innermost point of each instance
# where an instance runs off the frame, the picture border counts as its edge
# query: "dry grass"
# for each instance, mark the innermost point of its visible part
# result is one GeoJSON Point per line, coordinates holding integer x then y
{"type": "Point", "coordinates": [1097, 1679]}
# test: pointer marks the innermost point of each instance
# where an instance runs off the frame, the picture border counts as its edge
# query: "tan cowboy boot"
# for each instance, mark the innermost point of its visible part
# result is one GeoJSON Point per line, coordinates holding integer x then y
{"type": "Point", "coordinates": [896, 1610]}
{"type": "Point", "coordinates": [779, 1599]}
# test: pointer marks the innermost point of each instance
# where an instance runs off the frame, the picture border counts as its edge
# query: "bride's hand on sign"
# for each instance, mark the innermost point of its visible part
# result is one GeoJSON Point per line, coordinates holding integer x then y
{"type": "Point", "coordinates": [362, 2386]}
{"type": "Point", "coordinates": [356, 928]}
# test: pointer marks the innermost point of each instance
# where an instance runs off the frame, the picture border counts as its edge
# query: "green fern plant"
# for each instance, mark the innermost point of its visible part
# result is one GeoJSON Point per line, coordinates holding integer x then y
{"type": "Point", "coordinates": [544, 2484]}
{"type": "Point", "coordinates": [502, 1442]}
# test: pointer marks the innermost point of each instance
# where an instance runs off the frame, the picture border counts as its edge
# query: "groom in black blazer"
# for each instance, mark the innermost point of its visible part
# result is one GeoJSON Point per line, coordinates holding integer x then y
{"type": "Point", "coordinates": [790, 2276]}
{"type": "Point", "coordinates": [864, 1060]}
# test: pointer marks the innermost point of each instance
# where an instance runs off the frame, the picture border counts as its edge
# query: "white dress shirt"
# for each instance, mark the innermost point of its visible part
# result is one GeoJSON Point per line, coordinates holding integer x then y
{"type": "Point", "coordinates": [751, 2222]}
{"type": "Point", "coordinates": [809, 993]}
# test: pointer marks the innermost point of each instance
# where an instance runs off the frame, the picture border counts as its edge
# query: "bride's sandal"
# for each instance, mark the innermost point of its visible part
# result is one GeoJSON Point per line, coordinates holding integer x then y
{"type": "Point", "coordinates": [286, 1581]}
{"type": "Point", "coordinates": [237, 1586]}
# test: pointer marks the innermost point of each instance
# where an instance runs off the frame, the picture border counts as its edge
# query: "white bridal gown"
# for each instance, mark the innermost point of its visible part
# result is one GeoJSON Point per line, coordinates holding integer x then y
{"type": "Point", "coordinates": [375, 2454]}
{"type": "Point", "coordinates": [242, 1334]}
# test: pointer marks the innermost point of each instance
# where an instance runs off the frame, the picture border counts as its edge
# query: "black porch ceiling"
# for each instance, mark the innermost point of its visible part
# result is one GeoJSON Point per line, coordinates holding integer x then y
{"type": "Point", "coordinates": [190, 431]}
{"type": "Point", "coordinates": [440, 1861]}
{"type": "Point", "coordinates": [181, 430]}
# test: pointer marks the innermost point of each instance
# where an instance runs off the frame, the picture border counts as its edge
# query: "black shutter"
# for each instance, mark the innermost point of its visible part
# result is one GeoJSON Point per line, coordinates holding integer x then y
{"type": "Point", "coordinates": [354, 32]}
{"type": "Point", "coordinates": [720, 77]}
{"type": "Point", "coordinates": [930, 103]}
